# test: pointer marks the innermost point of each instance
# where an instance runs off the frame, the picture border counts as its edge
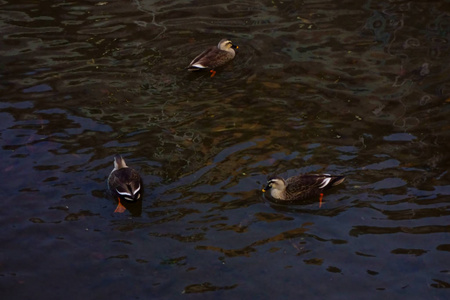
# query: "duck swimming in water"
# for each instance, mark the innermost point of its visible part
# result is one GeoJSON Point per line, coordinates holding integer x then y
{"type": "Point", "coordinates": [125, 183]}
{"type": "Point", "coordinates": [214, 57]}
{"type": "Point", "coordinates": [300, 187]}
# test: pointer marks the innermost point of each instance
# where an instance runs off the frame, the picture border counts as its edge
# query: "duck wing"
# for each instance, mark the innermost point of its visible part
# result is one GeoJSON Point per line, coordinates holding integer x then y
{"type": "Point", "coordinates": [309, 185]}
{"type": "Point", "coordinates": [210, 58]}
{"type": "Point", "coordinates": [125, 181]}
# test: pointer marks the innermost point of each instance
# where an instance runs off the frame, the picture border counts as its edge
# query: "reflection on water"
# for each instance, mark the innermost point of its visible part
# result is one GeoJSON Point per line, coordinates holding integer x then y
{"type": "Point", "coordinates": [358, 89]}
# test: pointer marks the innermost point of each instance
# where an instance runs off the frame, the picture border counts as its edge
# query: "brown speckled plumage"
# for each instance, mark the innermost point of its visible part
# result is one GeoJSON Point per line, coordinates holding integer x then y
{"type": "Point", "coordinates": [300, 187]}
{"type": "Point", "coordinates": [124, 182]}
{"type": "Point", "coordinates": [214, 57]}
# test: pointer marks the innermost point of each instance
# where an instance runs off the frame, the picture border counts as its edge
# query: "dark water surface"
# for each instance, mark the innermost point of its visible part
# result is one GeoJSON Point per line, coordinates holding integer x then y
{"type": "Point", "coordinates": [359, 88]}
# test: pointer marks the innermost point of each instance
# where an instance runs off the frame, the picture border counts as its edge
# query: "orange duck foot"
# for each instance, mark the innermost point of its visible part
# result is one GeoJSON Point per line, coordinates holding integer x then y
{"type": "Point", "coordinates": [120, 208]}
{"type": "Point", "coordinates": [212, 73]}
{"type": "Point", "coordinates": [320, 200]}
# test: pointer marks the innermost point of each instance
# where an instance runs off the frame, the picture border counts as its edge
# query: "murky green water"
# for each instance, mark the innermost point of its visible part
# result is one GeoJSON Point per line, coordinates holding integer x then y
{"type": "Point", "coordinates": [343, 87]}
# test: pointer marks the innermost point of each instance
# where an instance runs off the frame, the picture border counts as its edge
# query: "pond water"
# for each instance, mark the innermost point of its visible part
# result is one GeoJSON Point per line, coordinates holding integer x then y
{"type": "Point", "coordinates": [358, 88]}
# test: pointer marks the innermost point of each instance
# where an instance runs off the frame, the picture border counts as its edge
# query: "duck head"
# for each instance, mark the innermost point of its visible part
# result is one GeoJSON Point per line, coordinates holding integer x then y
{"type": "Point", "coordinates": [226, 45]}
{"type": "Point", "coordinates": [276, 185]}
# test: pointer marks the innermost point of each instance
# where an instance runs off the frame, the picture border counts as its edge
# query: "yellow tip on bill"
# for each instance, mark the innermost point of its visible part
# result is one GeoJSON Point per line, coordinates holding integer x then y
{"type": "Point", "coordinates": [263, 190]}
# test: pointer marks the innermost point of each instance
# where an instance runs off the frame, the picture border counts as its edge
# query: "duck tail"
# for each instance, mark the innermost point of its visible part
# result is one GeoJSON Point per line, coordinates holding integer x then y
{"type": "Point", "coordinates": [195, 67]}
{"type": "Point", "coordinates": [119, 162]}
{"type": "Point", "coordinates": [335, 180]}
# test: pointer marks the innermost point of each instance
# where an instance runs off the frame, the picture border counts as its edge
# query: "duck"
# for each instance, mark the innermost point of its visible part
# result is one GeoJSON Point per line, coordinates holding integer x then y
{"type": "Point", "coordinates": [124, 183]}
{"type": "Point", "coordinates": [214, 57]}
{"type": "Point", "coordinates": [301, 187]}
